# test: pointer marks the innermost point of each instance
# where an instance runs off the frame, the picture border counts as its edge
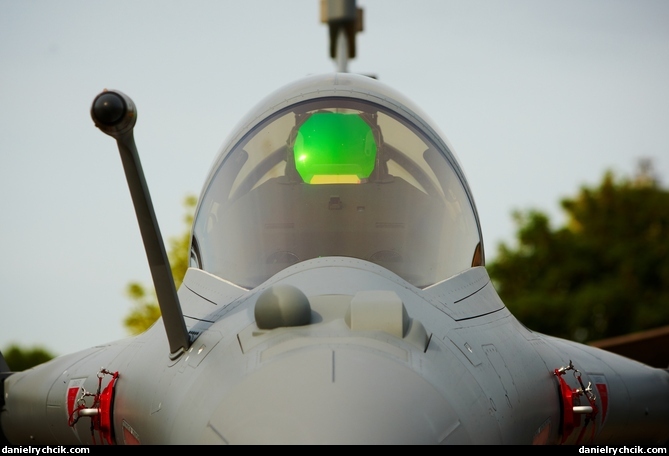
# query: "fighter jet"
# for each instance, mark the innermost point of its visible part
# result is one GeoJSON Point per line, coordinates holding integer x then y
{"type": "Point", "coordinates": [337, 294]}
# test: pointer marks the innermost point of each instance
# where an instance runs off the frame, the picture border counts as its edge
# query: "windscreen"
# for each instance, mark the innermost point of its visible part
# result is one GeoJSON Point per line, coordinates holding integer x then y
{"type": "Point", "coordinates": [335, 177]}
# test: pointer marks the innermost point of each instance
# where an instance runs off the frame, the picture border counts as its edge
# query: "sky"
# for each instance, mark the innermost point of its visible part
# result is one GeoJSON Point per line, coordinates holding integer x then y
{"type": "Point", "coordinates": [538, 98]}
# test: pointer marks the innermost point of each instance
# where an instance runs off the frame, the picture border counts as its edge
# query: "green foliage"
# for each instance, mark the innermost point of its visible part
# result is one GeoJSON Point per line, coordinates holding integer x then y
{"type": "Point", "coordinates": [21, 358]}
{"type": "Point", "coordinates": [605, 273]}
{"type": "Point", "coordinates": [145, 308]}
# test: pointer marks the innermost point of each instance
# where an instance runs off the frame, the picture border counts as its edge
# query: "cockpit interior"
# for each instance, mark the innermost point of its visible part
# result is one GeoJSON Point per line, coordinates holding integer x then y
{"type": "Point", "coordinates": [335, 176]}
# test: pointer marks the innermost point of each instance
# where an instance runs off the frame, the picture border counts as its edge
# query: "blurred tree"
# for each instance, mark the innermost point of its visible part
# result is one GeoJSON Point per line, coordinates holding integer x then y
{"type": "Point", "coordinates": [21, 358]}
{"type": "Point", "coordinates": [605, 273]}
{"type": "Point", "coordinates": [145, 309]}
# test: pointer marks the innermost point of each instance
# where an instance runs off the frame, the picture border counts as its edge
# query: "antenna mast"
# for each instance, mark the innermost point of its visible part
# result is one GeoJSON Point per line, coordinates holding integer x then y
{"type": "Point", "coordinates": [344, 20]}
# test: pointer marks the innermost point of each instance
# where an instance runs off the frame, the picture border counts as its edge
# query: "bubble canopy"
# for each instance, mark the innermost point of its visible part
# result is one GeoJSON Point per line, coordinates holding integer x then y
{"type": "Point", "coordinates": [336, 165]}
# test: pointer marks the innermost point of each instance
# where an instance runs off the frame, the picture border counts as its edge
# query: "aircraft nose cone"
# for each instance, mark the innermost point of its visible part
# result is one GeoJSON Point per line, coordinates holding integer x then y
{"type": "Point", "coordinates": [342, 396]}
{"type": "Point", "coordinates": [108, 109]}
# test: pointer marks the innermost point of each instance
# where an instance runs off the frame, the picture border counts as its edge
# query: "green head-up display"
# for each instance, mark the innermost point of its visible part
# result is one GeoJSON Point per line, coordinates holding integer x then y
{"type": "Point", "coordinates": [333, 147]}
